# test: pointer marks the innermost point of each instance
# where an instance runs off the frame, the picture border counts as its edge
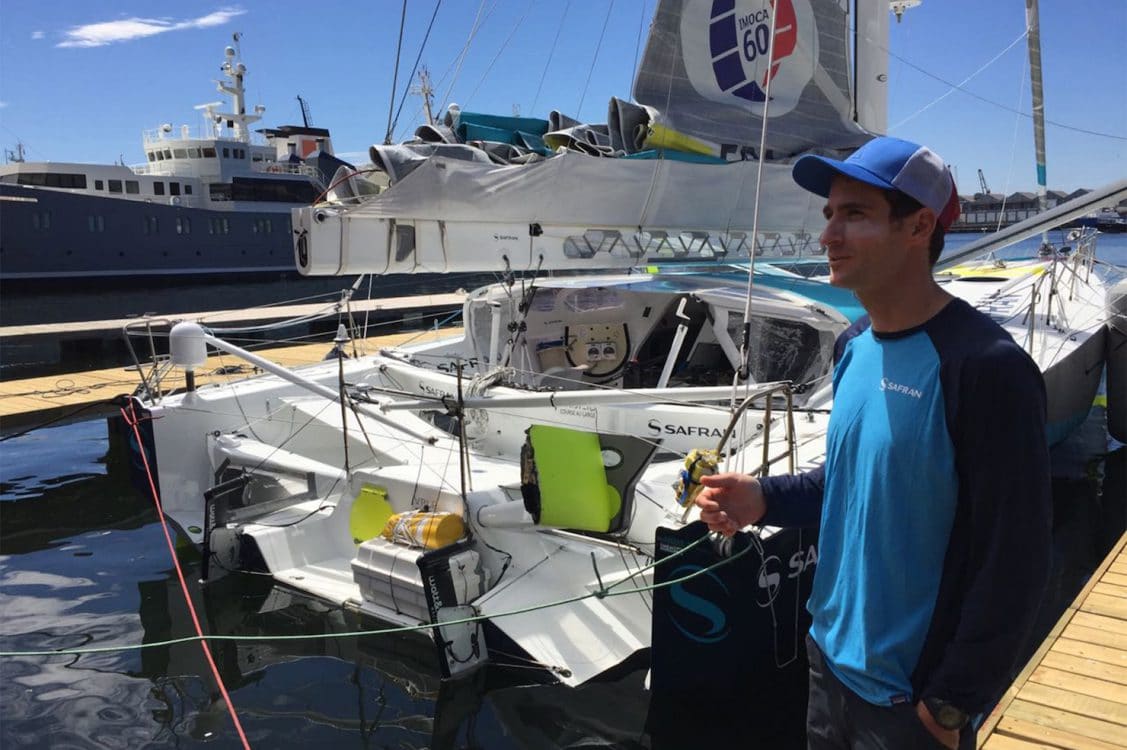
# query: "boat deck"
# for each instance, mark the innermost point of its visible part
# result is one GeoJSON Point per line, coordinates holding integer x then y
{"type": "Point", "coordinates": [32, 400]}
{"type": "Point", "coordinates": [1073, 691]}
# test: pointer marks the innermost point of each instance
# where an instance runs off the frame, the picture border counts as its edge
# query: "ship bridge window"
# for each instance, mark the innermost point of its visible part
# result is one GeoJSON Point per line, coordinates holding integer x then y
{"type": "Point", "coordinates": [52, 179]}
{"type": "Point", "coordinates": [226, 153]}
{"type": "Point", "coordinates": [99, 185]}
{"type": "Point", "coordinates": [132, 187]}
{"type": "Point", "coordinates": [174, 188]}
{"type": "Point", "coordinates": [152, 155]}
{"type": "Point", "coordinates": [167, 154]}
{"type": "Point", "coordinates": [275, 191]}
{"type": "Point", "coordinates": [187, 189]}
{"type": "Point", "coordinates": [158, 188]}
{"type": "Point", "coordinates": [160, 155]}
{"type": "Point", "coordinates": [115, 186]}
{"type": "Point", "coordinates": [208, 152]}
{"type": "Point", "coordinates": [179, 153]}
{"type": "Point", "coordinates": [193, 153]}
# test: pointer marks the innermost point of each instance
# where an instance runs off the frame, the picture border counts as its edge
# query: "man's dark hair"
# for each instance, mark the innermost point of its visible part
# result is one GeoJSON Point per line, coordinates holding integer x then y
{"type": "Point", "coordinates": [904, 205]}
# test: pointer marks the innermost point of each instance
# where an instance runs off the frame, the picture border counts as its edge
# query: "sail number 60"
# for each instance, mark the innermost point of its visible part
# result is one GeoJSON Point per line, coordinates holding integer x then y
{"type": "Point", "coordinates": [756, 41]}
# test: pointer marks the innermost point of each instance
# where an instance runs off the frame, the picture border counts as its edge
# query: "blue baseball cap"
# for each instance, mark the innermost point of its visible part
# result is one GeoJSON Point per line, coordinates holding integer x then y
{"type": "Point", "coordinates": [889, 164]}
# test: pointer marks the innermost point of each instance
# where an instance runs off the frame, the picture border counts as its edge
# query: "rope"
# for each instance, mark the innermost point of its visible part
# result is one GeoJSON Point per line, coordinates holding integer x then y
{"type": "Point", "coordinates": [395, 75]}
{"type": "Point", "coordinates": [548, 62]}
{"type": "Point", "coordinates": [415, 67]}
{"type": "Point", "coordinates": [131, 419]}
{"type": "Point", "coordinates": [595, 59]}
{"type": "Point", "coordinates": [602, 593]}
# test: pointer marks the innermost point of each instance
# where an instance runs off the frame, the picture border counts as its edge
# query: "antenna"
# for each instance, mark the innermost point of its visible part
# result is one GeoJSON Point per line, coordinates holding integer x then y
{"type": "Point", "coordinates": [14, 157]}
{"type": "Point", "coordinates": [424, 89]}
{"type": "Point", "coordinates": [305, 116]}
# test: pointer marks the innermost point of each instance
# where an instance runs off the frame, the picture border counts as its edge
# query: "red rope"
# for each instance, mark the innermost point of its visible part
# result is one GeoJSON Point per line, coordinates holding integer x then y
{"type": "Point", "coordinates": [131, 420]}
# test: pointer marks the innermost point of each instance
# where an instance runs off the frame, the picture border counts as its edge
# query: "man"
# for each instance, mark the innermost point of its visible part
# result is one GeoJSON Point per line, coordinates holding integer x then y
{"type": "Point", "coordinates": [933, 502]}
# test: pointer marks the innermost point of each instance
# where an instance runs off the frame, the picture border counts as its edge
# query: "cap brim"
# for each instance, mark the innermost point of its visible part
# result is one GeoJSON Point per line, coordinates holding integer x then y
{"type": "Point", "coordinates": [817, 173]}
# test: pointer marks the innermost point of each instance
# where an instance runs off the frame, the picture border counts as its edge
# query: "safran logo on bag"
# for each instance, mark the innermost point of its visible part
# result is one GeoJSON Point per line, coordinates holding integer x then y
{"type": "Point", "coordinates": [725, 46]}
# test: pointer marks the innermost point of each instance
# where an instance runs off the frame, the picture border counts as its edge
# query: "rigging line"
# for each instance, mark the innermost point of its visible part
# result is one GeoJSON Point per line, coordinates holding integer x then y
{"type": "Point", "coordinates": [745, 343]}
{"type": "Point", "coordinates": [502, 49]}
{"type": "Point", "coordinates": [395, 75]}
{"type": "Point", "coordinates": [130, 419]}
{"type": "Point", "coordinates": [1001, 106]}
{"type": "Point", "coordinates": [478, 21]}
{"type": "Point", "coordinates": [962, 83]}
{"type": "Point", "coordinates": [660, 160]}
{"type": "Point", "coordinates": [595, 59]}
{"type": "Point", "coordinates": [415, 67]}
{"type": "Point", "coordinates": [637, 46]}
{"type": "Point", "coordinates": [1013, 153]}
{"type": "Point", "coordinates": [424, 626]}
{"type": "Point", "coordinates": [548, 62]}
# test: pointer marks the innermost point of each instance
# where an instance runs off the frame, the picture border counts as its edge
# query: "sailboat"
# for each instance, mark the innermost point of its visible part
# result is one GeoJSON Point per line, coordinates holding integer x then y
{"type": "Point", "coordinates": [504, 490]}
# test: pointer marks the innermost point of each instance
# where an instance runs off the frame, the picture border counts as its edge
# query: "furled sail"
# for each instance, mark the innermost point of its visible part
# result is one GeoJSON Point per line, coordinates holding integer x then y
{"type": "Point", "coordinates": [706, 71]}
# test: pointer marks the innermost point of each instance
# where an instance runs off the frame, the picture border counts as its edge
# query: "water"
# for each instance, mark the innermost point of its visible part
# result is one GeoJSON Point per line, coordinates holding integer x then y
{"type": "Point", "coordinates": [83, 562]}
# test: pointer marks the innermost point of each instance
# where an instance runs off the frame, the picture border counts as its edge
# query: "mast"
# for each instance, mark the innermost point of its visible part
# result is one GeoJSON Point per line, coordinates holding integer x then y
{"type": "Point", "coordinates": [1033, 35]}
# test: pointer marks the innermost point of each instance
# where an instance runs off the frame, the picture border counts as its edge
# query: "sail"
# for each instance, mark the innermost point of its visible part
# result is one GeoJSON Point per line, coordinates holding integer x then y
{"type": "Point", "coordinates": [706, 71]}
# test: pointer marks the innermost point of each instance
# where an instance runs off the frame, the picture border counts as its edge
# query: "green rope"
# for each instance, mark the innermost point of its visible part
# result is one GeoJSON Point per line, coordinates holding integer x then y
{"type": "Point", "coordinates": [404, 628]}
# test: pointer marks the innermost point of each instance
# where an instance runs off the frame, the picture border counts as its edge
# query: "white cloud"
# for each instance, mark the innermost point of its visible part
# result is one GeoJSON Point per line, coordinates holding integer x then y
{"type": "Point", "coordinates": [38, 34]}
{"type": "Point", "coordinates": [128, 29]}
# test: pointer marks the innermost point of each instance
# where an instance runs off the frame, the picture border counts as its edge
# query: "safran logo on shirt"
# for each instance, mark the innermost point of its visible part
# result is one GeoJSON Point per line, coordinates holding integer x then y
{"type": "Point", "coordinates": [888, 385]}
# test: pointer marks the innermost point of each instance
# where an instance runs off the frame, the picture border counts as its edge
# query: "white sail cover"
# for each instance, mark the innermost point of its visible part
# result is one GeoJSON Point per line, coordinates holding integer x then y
{"type": "Point", "coordinates": [568, 212]}
{"type": "Point", "coordinates": [705, 69]}
{"type": "Point", "coordinates": [682, 183]}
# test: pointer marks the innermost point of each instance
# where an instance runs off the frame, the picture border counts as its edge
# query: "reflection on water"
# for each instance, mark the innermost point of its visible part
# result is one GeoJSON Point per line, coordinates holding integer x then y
{"type": "Point", "coordinates": [83, 562]}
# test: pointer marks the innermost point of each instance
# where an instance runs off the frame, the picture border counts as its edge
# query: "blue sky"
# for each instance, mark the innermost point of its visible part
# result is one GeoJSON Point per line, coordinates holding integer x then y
{"type": "Point", "coordinates": [79, 81]}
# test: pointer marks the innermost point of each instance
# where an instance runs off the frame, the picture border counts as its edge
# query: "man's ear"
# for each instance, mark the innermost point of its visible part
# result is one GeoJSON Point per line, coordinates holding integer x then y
{"type": "Point", "coordinates": [924, 223]}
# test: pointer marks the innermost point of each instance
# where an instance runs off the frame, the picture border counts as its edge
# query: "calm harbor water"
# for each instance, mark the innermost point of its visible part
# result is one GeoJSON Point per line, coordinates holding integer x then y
{"type": "Point", "coordinates": [83, 563]}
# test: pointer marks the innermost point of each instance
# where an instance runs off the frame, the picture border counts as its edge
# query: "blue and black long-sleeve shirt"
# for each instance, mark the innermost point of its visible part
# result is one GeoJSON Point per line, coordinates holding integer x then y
{"type": "Point", "coordinates": [934, 510]}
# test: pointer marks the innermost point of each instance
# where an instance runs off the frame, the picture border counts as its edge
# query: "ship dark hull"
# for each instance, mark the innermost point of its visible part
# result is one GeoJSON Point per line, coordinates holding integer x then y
{"type": "Point", "coordinates": [55, 235]}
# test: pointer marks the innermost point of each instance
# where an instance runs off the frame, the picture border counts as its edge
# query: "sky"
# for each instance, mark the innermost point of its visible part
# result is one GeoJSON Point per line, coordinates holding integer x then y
{"type": "Point", "coordinates": [80, 80]}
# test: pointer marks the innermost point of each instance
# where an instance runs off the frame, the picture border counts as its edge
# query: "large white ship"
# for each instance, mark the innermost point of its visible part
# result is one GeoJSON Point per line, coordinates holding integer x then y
{"type": "Point", "coordinates": [217, 202]}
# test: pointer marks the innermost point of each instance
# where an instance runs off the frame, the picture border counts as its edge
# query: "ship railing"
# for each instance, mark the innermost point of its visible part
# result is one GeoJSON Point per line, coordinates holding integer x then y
{"type": "Point", "coordinates": [277, 167]}
{"type": "Point", "coordinates": [158, 365]}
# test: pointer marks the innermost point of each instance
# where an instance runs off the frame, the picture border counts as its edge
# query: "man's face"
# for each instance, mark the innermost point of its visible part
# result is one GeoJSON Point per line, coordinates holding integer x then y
{"type": "Point", "coordinates": [865, 246]}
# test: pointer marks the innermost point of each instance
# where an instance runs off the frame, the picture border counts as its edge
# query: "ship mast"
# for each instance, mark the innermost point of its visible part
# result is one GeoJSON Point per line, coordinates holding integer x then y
{"type": "Point", "coordinates": [237, 119]}
{"type": "Point", "coordinates": [424, 90]}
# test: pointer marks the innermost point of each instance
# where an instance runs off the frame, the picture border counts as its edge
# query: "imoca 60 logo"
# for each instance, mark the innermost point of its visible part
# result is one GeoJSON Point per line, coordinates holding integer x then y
{"type": "Point", "coordinates": [725, 46]}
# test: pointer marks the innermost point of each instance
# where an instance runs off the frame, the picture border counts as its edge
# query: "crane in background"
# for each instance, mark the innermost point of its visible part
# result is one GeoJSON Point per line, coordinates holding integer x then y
{"type": "Point", "coordinates": [982, 183]}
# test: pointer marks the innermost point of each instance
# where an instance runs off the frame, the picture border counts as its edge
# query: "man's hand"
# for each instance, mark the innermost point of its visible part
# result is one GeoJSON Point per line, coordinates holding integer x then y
{"type": "Point", "coordinates": [949, 737]}
{"type": "Point", "coordinates": [730, 501]}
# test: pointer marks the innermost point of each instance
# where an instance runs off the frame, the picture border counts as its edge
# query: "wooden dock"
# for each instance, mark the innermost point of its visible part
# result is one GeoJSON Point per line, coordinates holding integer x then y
{"type": "Point", "coordinates": [36, 400]}
{"type": "Point", "coordinates": [1073, 692]}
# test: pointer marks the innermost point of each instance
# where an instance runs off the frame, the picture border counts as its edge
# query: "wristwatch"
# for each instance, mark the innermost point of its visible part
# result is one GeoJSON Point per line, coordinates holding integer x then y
{"type": "Point", "coordinates": [946, 715]}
